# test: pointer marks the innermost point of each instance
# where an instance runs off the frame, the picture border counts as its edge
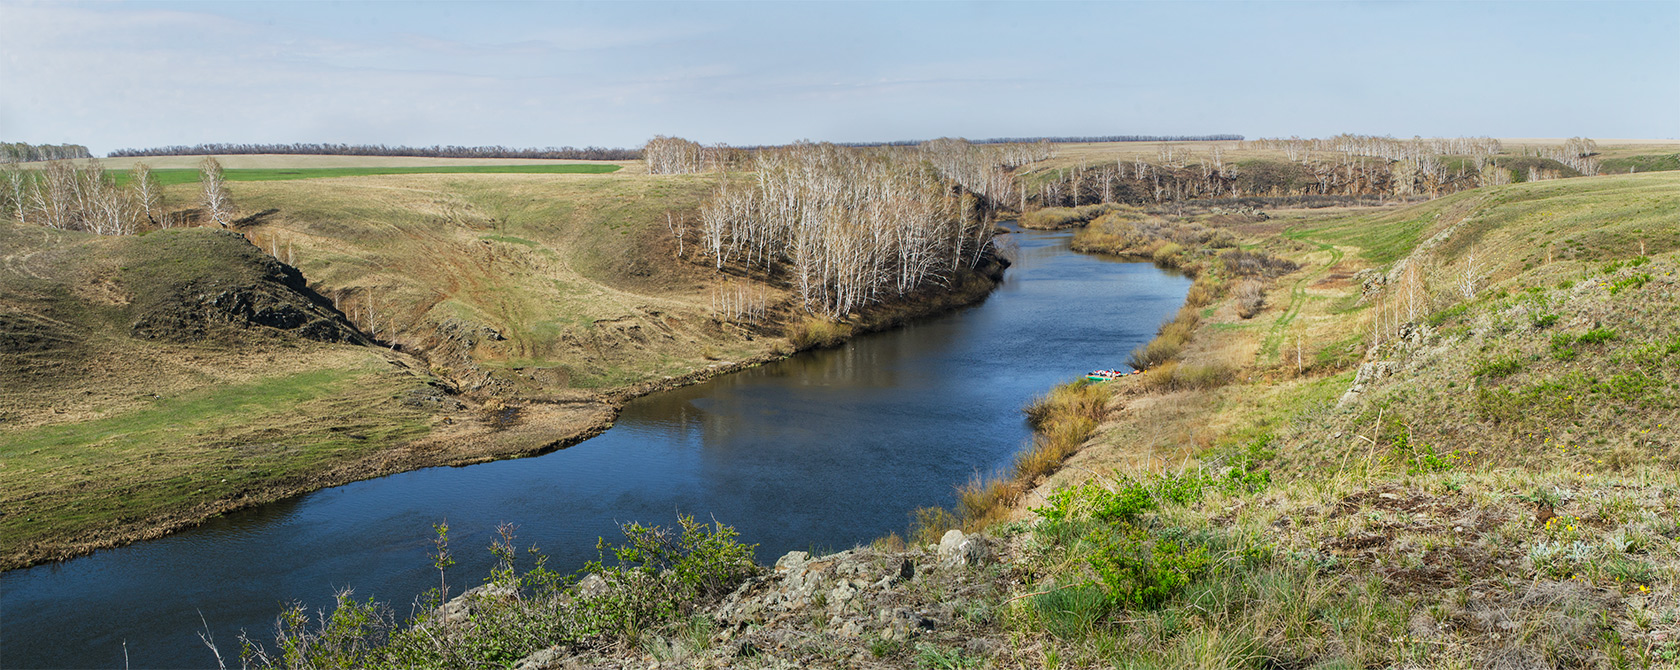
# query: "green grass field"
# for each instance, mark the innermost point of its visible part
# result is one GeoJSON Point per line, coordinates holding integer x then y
{"type": "Point", "coordinates": [172, 176]}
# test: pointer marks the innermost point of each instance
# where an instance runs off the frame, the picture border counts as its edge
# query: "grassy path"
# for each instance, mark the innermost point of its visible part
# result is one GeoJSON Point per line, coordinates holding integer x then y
{"type": "Point", "coordinates": [1297, 296]}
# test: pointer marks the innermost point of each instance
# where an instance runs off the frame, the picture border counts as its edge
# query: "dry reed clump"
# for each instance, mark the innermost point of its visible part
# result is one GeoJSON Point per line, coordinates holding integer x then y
{"type": "Point", "coordinates": [1078, 398]}
{"type": "Point", "coordinates": [1168, 254]}
{"type": "Point", "coordinates": [814, 331]}
{"type": "Point", "coordinates": [1051, 218]}
{"type": "Point", "coordinates": [1251, 297]}
{"type": "Point", "coordinates": [1201, 294]}
{"type": "Point", "coordinates": [1241, 263]}
{"type": "Point", "coordinates": [1174, 376]}
{"type": "Point", "coordinates": [1168, 342]}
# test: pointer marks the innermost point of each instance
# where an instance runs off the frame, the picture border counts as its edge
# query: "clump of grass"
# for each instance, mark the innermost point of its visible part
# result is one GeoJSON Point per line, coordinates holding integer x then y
{"type": "Point", "coordinates": [1251, 297]}
{"type": "Point", "coordinates": [1597, 336]}
{"type": "Point", "coordinates": [929, 524]}
{"type": "Point", "coordinates": [1201, 293]}
{"type": "Point", "coordinates": [1168, 255]}
{"type": "Point", "coordinates": [985, 501]}
{"type": "Point", "coordinates": [1240, 263]}
{"type": "Point", "coordinates": [1499, 367]}
{"type": "Point", "coordinates": [1168, 342]}
{"type": "Point", "coordinates": [814, 332]}
{"type": "Point", "coordinates": [1078, 398]}
{"type": "Point", "coordinates": [1051, 218]}
{"type": "Point", "coordinates": [1174, 376]}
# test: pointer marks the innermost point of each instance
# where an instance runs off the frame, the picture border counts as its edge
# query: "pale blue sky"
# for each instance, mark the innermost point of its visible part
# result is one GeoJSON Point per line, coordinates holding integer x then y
{"type": "Point", "coordinates": [138, 74]}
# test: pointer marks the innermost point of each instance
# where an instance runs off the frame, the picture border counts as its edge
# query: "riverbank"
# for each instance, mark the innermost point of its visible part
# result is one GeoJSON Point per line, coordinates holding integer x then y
{"type": "Point", "coordinates": [459, 430]}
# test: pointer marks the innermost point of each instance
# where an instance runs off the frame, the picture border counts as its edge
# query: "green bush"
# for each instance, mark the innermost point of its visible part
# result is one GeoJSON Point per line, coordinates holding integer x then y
{"type": "Point", "coordinates": [1563, 347]}
{"type": "Point", "coordinates": [1502, 367]}
{"type": "Point", "coordinates": [658, 576]}
{"type": "Point", "coordinates": [1435, 320]}
{"type": "Point", "coordinates": [1140, 571]}
{"type": "Point", "coordinates": [1636, 281]}
{"type": "Point", "coordinates": [1596, 336]}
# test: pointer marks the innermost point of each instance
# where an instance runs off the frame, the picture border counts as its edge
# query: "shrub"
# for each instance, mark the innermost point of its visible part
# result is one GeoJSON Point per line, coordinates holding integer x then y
{"type": "Point", "coordinates": [1597, 336]}
{"type": "Point", "coordinates": [1503, 367]}
{"type": "Point", "coordinates": [1059, 217]}
{"type": "Point", "coordinates": [1140, 571]}
{"type": "Point", "coordinates": [1168, 341]}
{"type": "Point", "coordinates": [1202, 376]}
{"type": "Point", "coordinates": [1199, 295]}
{"type": "Point", "coordinates": [1167, 255]}
{"type": "Point", "coordinates": [1251, 297]}
{"type": "Point", "coordinates": [659, 575]}
{"type": "Point", "coordinates": [1239, 263]}
{"type": "Point", "coordinates": [813, 332]}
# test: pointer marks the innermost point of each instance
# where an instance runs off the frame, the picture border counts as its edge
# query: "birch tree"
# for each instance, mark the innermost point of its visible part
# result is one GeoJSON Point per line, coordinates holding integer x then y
{"type": "Point", "coordinates": [147, 196]}
{"type": "Point", "coordinates": [1472, 274]}
{"type": "Point", "coordinates": [15, 203]}
{"type": "Point", "coordinates": [214, 195]}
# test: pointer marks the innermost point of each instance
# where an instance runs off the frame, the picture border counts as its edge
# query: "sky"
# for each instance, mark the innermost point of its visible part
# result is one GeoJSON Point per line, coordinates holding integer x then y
{"type": "Point", "coordinates": [111, 75]}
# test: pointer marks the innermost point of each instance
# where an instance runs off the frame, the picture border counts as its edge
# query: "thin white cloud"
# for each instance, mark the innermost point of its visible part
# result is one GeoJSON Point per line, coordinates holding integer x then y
{"type": "Point", "coordinates": [114, 75]}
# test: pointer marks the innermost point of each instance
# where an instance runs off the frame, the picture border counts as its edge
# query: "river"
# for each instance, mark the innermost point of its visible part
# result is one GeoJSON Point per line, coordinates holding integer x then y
{"type": "Point", "coordinates": [823, 450]}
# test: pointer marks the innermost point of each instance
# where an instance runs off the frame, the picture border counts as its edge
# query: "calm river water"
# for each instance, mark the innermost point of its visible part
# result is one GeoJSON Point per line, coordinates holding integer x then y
{"type": "Point", "coordinates": [824, 450]}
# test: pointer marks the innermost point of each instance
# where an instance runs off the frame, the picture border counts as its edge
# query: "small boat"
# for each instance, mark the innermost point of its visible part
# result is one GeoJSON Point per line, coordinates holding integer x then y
{"type": "Point", "coordinates": [1106, 375]}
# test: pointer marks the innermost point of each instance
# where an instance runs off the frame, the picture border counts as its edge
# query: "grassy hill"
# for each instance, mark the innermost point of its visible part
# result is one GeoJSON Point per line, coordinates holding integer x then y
{"type": "Point", "coordinates": [1495, 480]}
{"type": "Point", "coordinates": [568, 280]}
{"type": "Point", "coordinates": [153, 379]}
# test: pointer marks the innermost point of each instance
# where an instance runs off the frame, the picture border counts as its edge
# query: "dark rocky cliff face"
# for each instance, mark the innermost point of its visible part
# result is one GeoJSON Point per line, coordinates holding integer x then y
{"type": "Point", "coordinates": [243, 291]}
{"type": "Point", "coordinates": [278, 299]}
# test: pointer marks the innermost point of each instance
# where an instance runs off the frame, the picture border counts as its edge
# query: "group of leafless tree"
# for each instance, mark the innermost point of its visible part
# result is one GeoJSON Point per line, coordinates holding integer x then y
{"type": "Point", "coordinates": [71, 196]}
{"type": "Point", "coordinates": [844, 227]}
{"type": "Point", "coordinates": [23, 152]}
{"type": "Point", "coordinates": [675, 155]}
{"type": "Point", "coordinates": [1356, 166]}
{"type": "Point", "coordinates": [1038, 140]}
{"type": "Point", "coordinates": [983, 170]}
{"type": "Point", "coordinates": [84, 196]}
{"type": "Point", "coordinates": [1578, 153]}
{"type": "Point", "coordinates": [585, 153]}
{"type": "Point", "coordinates": [741, 302]}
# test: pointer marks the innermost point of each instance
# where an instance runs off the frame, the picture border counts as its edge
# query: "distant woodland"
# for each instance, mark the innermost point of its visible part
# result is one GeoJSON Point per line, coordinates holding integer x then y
{"type": "Point", "coordinates": [23, 152]}
{"type": "Point", "coordinates": [585, 153]}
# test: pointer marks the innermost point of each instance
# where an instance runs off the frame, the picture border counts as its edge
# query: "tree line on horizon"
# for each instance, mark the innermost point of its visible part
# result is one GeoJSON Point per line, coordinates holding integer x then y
{"type": "Point", "coordinates": [24, 152]}
{"type": "Point", "coordinates": [435, 151]}
{"type": "Point", "coordinates": [1341, 167]}
{"type": "Point", "coordinates": [1056, 139]}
